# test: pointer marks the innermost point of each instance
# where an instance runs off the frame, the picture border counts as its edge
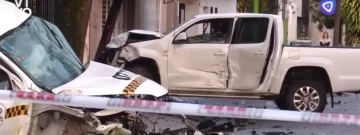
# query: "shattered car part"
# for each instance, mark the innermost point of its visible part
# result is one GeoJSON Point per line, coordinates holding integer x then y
{"type": "Point", "coordinates": [121, 41]}
{"type": "Point", "coordinates": [217, 125]}
{"type": "Point", "coordinates": [132, 37]}
{"type": "Point", "coordinates": [49, 119]}
{"type": "Point", "coordinates": [207, 127]}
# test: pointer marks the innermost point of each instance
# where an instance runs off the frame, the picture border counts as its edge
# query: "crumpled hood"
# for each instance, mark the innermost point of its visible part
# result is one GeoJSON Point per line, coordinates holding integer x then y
{"type": "Point", "coordinates": [11, 16]}
{"type": "Point", "coordinates": [133, 36]}
{"type": "Point", "coordinates": [146, 32]}
{"type": "Point", "coordinates": [101, 79]}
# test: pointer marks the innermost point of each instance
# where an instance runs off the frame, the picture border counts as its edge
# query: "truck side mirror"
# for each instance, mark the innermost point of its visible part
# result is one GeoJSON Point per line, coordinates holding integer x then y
{"type": "Point", "coordinates": [181, 38]}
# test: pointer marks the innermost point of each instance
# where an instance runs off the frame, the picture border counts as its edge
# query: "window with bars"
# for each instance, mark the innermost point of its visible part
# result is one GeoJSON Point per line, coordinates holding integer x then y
{"type": "Point", "coordinates": [106, 4]}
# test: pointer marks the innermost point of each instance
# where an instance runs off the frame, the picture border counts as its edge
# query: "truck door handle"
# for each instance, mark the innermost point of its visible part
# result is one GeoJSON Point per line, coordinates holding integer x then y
{"type": "Point", "coordinates": [259, 53]}
{"type": "Point", "coordinates": [219, 53]}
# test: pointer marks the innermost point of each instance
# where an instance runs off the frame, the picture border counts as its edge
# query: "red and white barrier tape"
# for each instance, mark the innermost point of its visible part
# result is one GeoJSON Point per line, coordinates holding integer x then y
{"type": "Point", "coordinates": [179, 108]}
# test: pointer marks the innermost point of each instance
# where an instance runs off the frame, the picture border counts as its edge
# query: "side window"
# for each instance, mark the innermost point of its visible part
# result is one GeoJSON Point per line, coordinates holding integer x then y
{"type": "Point", "coordinates": [217, 31]}
{"type": "Point", "coordinates": [5, 83]}
{"type": "Point", "coordinates": [250, 30]}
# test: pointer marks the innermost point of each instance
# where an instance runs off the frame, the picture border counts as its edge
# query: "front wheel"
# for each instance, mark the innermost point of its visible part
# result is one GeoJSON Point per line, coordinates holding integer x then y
{"type": "Point", "coordinates": [145, 72]}
{"type": "Point", "coordinates": [306, 96]}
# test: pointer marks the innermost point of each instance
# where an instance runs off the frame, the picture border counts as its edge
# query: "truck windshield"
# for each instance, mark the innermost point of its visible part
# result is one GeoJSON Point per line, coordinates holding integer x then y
{"type": "Point", "coordinates": [175, 27]}
{"type": "Point", "coordinates": [42, 52]}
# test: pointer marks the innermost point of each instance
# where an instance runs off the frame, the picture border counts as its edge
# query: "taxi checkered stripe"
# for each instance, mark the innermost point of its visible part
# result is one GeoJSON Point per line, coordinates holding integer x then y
{"type": "Point", "coordinates": [17, 111]}
{"type": "Point", "coordinates": [133, 85]}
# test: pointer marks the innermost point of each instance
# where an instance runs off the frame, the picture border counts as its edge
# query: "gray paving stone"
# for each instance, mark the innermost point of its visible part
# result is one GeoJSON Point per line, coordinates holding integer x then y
{"type": "Point", "coordinates": [347, 104]}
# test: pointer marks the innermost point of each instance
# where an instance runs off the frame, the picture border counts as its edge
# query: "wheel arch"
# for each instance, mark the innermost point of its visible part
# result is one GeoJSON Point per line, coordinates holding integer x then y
{"type": "Point", "coordinates": [151, 64]}
{"type": "Point", "coordinates": [307, 72]}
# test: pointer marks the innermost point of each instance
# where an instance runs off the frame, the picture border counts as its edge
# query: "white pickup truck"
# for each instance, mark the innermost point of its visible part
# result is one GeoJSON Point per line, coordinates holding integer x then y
{"type": "Point", "coordinates": [238, 55]}
{"type": "Point", "coordinates": [35, 57]}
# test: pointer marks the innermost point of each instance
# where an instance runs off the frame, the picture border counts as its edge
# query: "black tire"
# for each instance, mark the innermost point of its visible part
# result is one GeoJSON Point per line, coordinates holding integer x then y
{"type": "Point", "coordinates": [280, 103]}
{"type": "Point", "coordinates": [141, 71]}
{"type": "Point", "coordinates": [144, 72]}
{"type": "Point", "coordinates": [296, 85]}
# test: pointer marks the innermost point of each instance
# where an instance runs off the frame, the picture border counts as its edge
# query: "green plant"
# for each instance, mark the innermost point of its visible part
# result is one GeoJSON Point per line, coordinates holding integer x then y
{"type": "Point", "coordinates": [241, 6]}
{"type": "Point", "coordinates": [244, 6]}
{"type": "Point", "coordinates": [349, 16]}
{"type": "Point", "coordinates": [352, 20]}
{"type": "Point", "coordinates": [269, 6]}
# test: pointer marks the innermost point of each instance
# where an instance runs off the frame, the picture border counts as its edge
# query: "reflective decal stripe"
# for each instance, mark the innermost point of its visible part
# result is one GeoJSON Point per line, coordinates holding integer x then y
{"type": "Point", "coordinates": [133, 85]}
{"type": "Point", "coordinates": [16, 111]}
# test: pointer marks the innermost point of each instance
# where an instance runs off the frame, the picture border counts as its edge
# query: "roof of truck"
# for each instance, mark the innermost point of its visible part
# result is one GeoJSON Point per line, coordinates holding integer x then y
{"type": "Point", "coordinates": [10, 16]}
{"type": "Point", "coordinates": [234, 15]}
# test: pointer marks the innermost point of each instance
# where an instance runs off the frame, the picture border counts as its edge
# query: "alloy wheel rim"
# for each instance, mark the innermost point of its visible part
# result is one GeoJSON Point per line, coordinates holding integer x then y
{"type": "Point", "coordinates": [306, 99]}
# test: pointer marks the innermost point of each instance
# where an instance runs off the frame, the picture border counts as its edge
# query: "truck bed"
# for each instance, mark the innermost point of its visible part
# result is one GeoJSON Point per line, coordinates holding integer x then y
{"type": "Point", "coordinates": [341, 63]}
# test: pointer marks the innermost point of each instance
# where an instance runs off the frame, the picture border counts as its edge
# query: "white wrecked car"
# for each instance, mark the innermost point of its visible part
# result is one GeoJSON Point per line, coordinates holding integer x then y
{"type": "Point", "coordinates": [35, 56]}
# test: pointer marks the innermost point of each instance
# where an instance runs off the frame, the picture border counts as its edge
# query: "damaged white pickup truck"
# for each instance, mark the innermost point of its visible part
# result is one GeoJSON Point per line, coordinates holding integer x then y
{"type": "Point", "coordinates": [35, 57]}
{"type": "Point", "coordinates": [238, 56]}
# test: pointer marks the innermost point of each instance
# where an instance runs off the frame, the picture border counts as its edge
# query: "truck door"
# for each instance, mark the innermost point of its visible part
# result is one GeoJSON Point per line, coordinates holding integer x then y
{"type": "Point", "coordinates": [248, 51]}
{"type": "Point", "coordinates": [199, 59]}
{"type": "Point", "coordinates": [13, 115]}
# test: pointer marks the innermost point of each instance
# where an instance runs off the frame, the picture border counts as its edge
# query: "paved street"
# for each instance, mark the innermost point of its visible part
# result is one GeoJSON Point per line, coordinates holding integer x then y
{"type": "Point", "coordinates": [348, 104]}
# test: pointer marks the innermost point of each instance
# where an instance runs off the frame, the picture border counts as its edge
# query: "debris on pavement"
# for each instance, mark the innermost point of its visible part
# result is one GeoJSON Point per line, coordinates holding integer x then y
{"type": "Point", "coordinates": [349, 105]}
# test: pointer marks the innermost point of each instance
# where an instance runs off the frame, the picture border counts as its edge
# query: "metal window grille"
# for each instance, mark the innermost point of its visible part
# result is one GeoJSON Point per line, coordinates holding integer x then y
{"type": "Point", "coordinates": [106, 4]}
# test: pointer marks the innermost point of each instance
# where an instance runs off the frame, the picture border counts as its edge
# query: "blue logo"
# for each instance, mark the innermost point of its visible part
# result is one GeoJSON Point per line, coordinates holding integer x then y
{"type": "Point", "coordinates": [328, 7]}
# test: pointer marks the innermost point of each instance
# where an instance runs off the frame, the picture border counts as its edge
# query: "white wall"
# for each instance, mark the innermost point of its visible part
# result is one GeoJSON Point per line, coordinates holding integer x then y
{"type": "Point", "coordinates": [191, 10]}
{"type": "Point", "coordinates": [224, 6]}
{"type": "Point", "coordinates": [299, 7]}
{"type": "Point", "coordinates": [195, 8]}
{"type": "Point", "coordinates": [147, 15]}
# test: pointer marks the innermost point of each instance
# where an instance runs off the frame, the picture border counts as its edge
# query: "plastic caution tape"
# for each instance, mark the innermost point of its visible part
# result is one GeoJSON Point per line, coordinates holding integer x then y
{"type": "Point", "coordinates": [179, 108]}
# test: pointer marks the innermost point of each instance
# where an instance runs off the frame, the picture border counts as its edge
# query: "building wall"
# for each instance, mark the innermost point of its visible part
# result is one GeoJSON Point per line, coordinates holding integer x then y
{"type": "Point", "coordinates": [147, 14]}
{"type": "Point", "coordinates": [224, 6]}
{"type": "Point", "coordinates": [95, 28]}
{"type": "Point", "coordinates": [191, 10]}
{"type": "Point", "coordinates": [209, 6]}
{"type": "Point", "coordinates": [170, 16]}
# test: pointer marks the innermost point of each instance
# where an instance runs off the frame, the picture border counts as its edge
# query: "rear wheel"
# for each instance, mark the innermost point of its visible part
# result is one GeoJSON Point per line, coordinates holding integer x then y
{"type": "Point", "coordinates": [304, 95]}
{"type": "Point", "coordinates": [280, 103]}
